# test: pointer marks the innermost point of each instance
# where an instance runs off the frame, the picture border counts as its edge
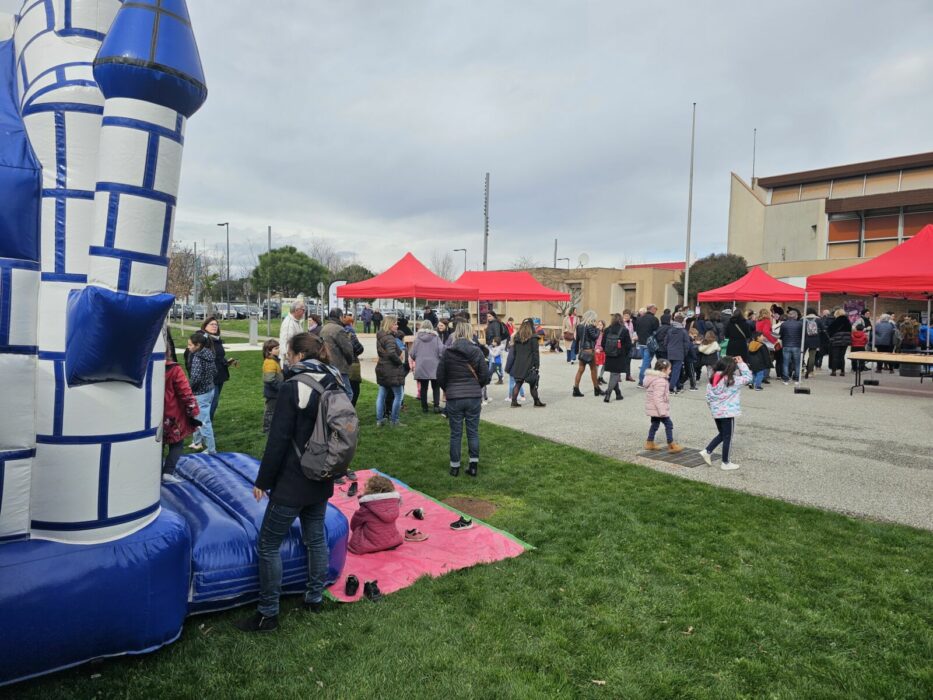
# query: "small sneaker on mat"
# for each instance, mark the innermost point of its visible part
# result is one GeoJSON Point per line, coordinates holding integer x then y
{"type": "Point", "coordinates": [728, 466]}
{"type": "Point", "coordinates": [195, 446]}
{"type": "Point", "coordinates": [707, 457]}
{"type": "Point", "coordinates": [371, 591]}
{"type": "Point", "coordinates": [340, 480]}
{"type": "Point", "coordinates": [351, 586]}
{"type": "Point", "coordinates": [416, 513]}
{"type": "Point", "coordinates": [257, 622]}
{"type": "Point", "coordinates": [351, 475]}
{"type": "Point", "coordinates": [415, 535]}
{"type": "Point", "coordinates": [461, 524]}
{"type": "Point", "coordinates": [351, 492]}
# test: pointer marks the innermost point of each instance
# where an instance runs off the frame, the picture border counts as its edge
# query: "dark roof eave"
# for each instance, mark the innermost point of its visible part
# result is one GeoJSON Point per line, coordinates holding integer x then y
{"type": "Point", "coordinates": [879, 201]}
{"type": "Point", "coordinates": [919, 160]}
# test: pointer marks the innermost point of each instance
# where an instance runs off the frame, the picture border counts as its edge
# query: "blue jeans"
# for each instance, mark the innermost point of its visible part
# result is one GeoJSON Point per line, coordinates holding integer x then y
{"type": "Point", "coordinates": [656, 423]}
{"type": "Point", "coordinates": [645, 363]}
{"type": "Point", "coordinates": [206, 431]}
{"type": "Point", "coordinates": [676, 367]}
{"type": "Point", "coordinates": [381, 403]}
{"type": "Point", "coordinates": [572, 351]}
{"type": "Point", "coordinates": [521, 392]}
{"type": "Point", "coordinates": [791, 363]}
{"type": "Point", "coordinates": [216, 399]}
{"type": "Point", "coordinates": [458, 412]}
{"type": "Point", "coordinates": [495, 366]}
{"type": "Point", "coordinates": [275, 526]}
{"type": "Point", "coordinates": [759, 378]}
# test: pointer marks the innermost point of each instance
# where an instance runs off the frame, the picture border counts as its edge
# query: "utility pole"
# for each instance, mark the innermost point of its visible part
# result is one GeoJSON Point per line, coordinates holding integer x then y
{"type": "Point", "coordinates": [754, 149]}
{"type": "Point", "coordinates": [197, 272]}
{"type": "Point", "coordinates": [269, 288]}
{"type": "Point", "coordinates": [227, 224]}
{"type": "Point", "coordinates": [693, 131]}
{"type": "Point", "coordinates": [555, 253]}
{"type": "Point", "coordinates": [486, 226]}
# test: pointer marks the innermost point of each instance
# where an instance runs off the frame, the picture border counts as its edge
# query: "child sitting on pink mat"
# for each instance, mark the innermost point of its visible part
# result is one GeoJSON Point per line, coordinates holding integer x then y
{"type": "Point", "coordinates": [372, 528]}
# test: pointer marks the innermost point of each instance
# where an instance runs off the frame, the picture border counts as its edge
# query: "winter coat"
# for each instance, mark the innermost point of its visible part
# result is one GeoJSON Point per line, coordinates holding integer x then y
{"type": "Point", "coordinates": [738, 339]}
{"type": "Point", "coordinates": [618, 363]}
{"type": "Point", "coordinates": [180, 405]}
{"type": "Point", "coordinates": [290, 327]}
{"type": "Point", "coordinates": [661, 336]}
{"type": "Point", "coordinates": [792, 333]}
{"type": "Point", "coordinates": [496, 330]}
{"type": "Point", "coordinates": [764, 326]}
{"type": "Point", "coordinates": [569, 325]}
{"type": "Point", "coordinates": [358, 349]}
{"type": "Point", "coordinates": [390, 368]}
{"type": "Point", "coordinates": [372, 527]}
{"type": "Point", "coordinates": [709, 354]}
{"type": "Point", "coordinates": [292, 425]}
{"type": "Point", "coordinates": [586, 337]}
{"type": "Point", "coordinates": [463, 371]}
{"type": "Point", "coordinates": [758, 357]}
{"type": "Point", "coordinates": [201, 371]}
{"type": "Point", "coordinates": [272, 377]}
{"type": "Point", "coordinates": [725, 401]}
{"type": "Point", "coordinates": [859, 340]}
{"type": "Point", "coordinates": [657, 394]}
{"type": "Point", "coordinates": [840, 332]}
{"type": "Point", "coordinates": [523, 357]}
{"type": "Point", "coordinates": [677, 343]}
{"type": "Point", "coordinates": [377, 319]}
{"type": "Point", "coordinates": [645, 325]}
{"type": "Point", "coordinates": [339, 345]}
{"type": "Point", "coordinates": [812, 342]}
{"type": "Point", "coordinates": [426, 351]}
{"type": "Point", "coordinates": [884, 333]}
{"type": "Point", "coordinates": [220, 360]}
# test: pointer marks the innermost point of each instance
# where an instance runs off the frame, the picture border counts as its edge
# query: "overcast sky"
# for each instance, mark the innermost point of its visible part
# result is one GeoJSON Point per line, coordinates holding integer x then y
{"type": "Point", "coordinates": [372, 124]}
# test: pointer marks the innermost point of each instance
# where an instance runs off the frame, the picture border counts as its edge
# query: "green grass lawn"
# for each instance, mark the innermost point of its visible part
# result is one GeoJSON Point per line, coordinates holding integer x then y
{"type": "Point", "coordinates": [652, 585]}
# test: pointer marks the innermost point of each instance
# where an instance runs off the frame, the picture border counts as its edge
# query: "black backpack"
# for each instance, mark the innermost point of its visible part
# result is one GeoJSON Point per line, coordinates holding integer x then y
{"type": "Point", "coordinates": [612, 344]}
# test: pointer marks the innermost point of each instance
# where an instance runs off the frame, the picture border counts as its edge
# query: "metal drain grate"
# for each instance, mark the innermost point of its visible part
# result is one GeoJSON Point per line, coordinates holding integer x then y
{"type": "Point", "coordinates": [690, 457]}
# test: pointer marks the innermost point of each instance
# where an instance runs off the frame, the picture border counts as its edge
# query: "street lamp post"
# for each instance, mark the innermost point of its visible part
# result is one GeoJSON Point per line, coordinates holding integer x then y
{"type": "Point", "coordinates": [568, 262]}
{"type": "Point", "coordinates": [227, 224]}
{"type": "Point", "coordinates": [464, 251]}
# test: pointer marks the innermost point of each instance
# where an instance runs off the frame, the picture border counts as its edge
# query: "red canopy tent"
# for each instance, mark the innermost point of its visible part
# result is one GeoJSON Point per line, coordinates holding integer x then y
{"type": "Point", "coordinates": [757, 285]}
{"type": "Point", "coordinates": [904, 271]}
{"type": "Point", "coordinates": [510, 286]}
{"type": "Point", "coordinates": [407, 279]}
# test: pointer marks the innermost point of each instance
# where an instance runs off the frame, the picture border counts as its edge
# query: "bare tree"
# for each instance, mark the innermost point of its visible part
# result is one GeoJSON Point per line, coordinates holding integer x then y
{"type": "Point", "coordinates": [442, 265]}
{"type": "Point", "coordinates": [554, 278]}
{"type": "Point", "coordinates": [524, 262]}
{"type": "Point", "coordinates": [181, 271]}
{"type": "Point", "coordinates": [321, 250]}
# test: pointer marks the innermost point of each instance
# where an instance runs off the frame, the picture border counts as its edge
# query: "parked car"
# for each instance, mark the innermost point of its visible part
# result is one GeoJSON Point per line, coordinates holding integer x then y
{"type": "Point", "coordinates": [223, 310]}
{"type": "Point", "coordinates": [240, 311]}
{"type": "Point", "coordinates": [276, 308]}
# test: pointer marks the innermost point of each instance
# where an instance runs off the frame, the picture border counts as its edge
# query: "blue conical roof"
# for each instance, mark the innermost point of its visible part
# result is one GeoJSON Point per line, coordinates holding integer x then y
{"type": "Point", "coordinates": [150, 54]}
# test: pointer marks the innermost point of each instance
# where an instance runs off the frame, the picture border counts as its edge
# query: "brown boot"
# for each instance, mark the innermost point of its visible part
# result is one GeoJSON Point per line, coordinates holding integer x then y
{"type": "Point", "coordinates": [649, 445]}
{"type": "Point", "coordinates": [674, 447]}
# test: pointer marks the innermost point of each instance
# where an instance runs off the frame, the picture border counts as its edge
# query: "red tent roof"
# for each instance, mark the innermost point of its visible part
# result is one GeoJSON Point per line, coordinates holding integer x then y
{"type": "Point", "coordinates": [407, 279]}
{"type": "Point", "coordinates": [904, 271]}
{"type": "Point", "coordinates": [510, 286]}
{"type": "Point", "coordinates": [757, 285]}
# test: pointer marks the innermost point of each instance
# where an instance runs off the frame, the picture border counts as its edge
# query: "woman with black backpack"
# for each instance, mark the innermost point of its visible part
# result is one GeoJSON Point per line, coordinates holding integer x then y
{"type": "Point", "coordinates": [292, 494]}
{"type": "Point", "coordinates": [617, 344]}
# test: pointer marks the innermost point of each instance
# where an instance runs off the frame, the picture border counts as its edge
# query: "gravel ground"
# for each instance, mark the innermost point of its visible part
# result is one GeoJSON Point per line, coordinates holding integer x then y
{"type": "Point", "coordinates": [866, 455]}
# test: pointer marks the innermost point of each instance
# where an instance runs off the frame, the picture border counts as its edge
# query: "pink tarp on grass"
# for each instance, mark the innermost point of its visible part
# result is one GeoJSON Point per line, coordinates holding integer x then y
{"type": "Point", "coordinates": [445, 550]}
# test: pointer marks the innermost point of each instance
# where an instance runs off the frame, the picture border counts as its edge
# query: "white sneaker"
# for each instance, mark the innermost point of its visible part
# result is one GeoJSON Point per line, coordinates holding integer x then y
{"type": "Point", "coordinates": [707, 457]}
{"type": "Point", "coordinates": [172, 479]}
{"type": "Point", "coordinates": [728, 466]}
{"type": "Point", "coordinates": [486, 402]}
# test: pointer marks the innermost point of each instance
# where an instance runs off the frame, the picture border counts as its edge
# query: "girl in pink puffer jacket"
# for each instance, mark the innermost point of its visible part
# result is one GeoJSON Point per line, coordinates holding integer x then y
{"type": "Point", "coordinates": [372, 527]}
{"type": "Point", "coordinates": [658, 404]}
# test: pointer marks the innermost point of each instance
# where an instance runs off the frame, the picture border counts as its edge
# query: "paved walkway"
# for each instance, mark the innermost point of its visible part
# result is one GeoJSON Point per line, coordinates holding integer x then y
{"type": "Point", "coordinates": [868, 455]}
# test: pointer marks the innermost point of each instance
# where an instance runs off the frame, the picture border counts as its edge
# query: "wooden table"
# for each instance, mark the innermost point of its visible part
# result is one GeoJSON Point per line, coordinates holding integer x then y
{"type": "Point", "coordinates": [900, 358]}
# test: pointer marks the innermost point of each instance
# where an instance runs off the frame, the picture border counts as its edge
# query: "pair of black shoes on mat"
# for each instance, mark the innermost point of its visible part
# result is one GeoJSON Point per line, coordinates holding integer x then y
{"type": "Point", "coordinates": [370, 589]}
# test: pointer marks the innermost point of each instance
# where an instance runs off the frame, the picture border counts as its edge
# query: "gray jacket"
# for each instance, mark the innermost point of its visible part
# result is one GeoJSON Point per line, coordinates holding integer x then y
{"type": "Point", "coordinates": [339, 345]}
{"type": "Point", "coordinates": [426, 351]}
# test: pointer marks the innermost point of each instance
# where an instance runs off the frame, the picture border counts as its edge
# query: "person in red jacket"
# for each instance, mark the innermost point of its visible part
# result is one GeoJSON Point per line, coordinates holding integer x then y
{"type": "Point", "coordinates": [372, 527]}
{"type": "Point", "coordinates": [859, 343]}
{"type": "Point", "coordinates": [178, 420]}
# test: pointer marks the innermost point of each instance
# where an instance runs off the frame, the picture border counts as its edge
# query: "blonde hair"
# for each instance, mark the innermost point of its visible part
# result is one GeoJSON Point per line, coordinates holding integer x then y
{"type": "Point", "coordinates": [426, 326]}
{"type": "Point", "coordinates": [463, 331]}
{"type": "Point", "coordinates": [387, 323]}
{"type": "Point", "coordinates": [764, 314]}
{"type": "Point", "coordinates": [838, 312]}
{"type": "Point", "coordinates": [379, 484]}
{"type": "Point", "coordinates": [589, 318]}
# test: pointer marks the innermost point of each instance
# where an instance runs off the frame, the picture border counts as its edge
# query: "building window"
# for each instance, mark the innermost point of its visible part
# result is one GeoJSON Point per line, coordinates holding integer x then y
{"type": "Point", "coordinates": [915, 221]}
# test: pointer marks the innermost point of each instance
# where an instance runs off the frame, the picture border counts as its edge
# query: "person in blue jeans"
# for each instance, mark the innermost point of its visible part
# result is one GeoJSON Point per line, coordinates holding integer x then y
{"type": "Point", "coordinates": [791, 334]}
{"type": "Point", "coordinates": [202, 371]}
{"type": "Point", "coordinates": [291, 494]}
{"type": "Point", "coordinates": [390, 371]}
{"type": "Point", "coordinates": [462, 374]}
{"type": "Point", "coordinates": [759, 359]}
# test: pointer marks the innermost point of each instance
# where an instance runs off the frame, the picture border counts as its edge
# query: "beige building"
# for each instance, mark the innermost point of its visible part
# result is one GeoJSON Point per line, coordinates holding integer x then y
{"type": "Point", "coordinates": [606, 290]}
{"type": "Point", "coordinates": [814, 221]}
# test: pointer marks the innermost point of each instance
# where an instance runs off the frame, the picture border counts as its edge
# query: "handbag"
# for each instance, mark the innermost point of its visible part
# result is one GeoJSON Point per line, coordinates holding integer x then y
{"type": "Point", "coordinates": [600, 357]}
{"type": "Point", "coordinates": [533, 376]}
{"type": "Point", "coordinates": [568, 335]}
{"type": "Point", "coordinates": [586, 355]}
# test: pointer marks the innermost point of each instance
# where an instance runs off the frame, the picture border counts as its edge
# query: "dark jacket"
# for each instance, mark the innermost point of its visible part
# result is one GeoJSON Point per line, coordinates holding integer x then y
{"type": "Point", "coordinates": [202, 370]}
{"type": "Point", "coordinates": [738, 338]}
{"type": "Point", "coordinates": [759, 358]}
{"type": "Point", "coordinates": [646, 325]}
{"type": "Point", "coordinates": [463, 372]}
{"type": "Point", "coordinates": [523, 357]}
{"type": "Point", "coordinates": [620, 361]}
{"type": "Point", "coordinates": [339, 345]}
{"type": "Point", "coordinates": [813, 342]}
{"type": "Point", "coordinates": [292, 425]}
{"type": "Point", "coordinates": [677, 343]}
{"type": "Point", "coordinates": [432, 317]}
{"type": "Point", "coordinates": [586, 337]}
{"type": "Point", "coordinates": [404, 328]}
{"type": "Point", "coordinates": [840, 332]}
{"type": "Point", "coordinates": [377, 318]}
{"type": "Point", "coordinates": [496, 330]}
{"type": "Point", "coordinates": [390, 368]}
{"type": "Point", "coordinates": [661, 336]}
{"type": "Point", "coordinates": [792, 333]}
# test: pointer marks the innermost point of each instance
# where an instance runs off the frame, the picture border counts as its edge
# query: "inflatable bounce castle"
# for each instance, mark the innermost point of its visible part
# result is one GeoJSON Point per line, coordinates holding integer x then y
{"type": "Point", "coordinates": [96, 557]}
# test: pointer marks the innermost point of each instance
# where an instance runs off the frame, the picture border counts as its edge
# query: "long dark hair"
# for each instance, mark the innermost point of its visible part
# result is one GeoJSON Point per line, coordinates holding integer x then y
{"type": "Point", "coordinates": [726, 367]}
{"type": "Point", "coordinates": [525, 331]}
{"type": "Point", "coordinates": [309, 345]}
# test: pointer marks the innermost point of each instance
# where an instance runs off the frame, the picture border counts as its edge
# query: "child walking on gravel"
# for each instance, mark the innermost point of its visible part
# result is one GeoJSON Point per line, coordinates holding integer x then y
{"type": "Point", "coordinates": [658, 404]}
{"type": "Point", "coordinates": [723, 394]}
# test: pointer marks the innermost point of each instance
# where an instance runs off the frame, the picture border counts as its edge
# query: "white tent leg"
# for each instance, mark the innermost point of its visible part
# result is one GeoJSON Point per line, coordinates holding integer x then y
{"type": "Point", "coordinates": [803, 342]}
